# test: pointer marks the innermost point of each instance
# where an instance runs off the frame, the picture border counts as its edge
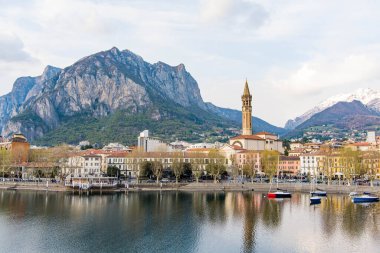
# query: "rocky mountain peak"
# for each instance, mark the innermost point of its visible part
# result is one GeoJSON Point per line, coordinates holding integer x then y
{"type": "Point", "coordinates": [49, 72]}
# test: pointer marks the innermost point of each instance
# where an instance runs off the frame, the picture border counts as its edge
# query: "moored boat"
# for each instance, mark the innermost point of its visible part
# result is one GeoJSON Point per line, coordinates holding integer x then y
{"type": "Point", "coordinates": [352, 194]}
{"type": "Point", "coordinates": [86, 183]}
{"type": "Point", "coordinates": [315, 200]}
{"type": "Point", "coordinates": [365, 198]}
{"type": "Point", "coordinates": [279, 194]}
{"type": "Point", "coordinates": [319, 192]}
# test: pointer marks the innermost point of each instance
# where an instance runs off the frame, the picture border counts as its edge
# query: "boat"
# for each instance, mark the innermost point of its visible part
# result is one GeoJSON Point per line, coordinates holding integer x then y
{"type": "Point", "coordinates": [352, 194]}
{"type": "Point", "coordinates": [86, 183]}
{"type": "Point", "coordinates": [315, 200]}
{"type": "Point", "coordinates": [365, 198]}
{"type": "Point", "coordinates": [319, 192]}
{"type": "Point", "coordinates": [102, 185]}
{"type": "Point", "coordinates": [279, 194]}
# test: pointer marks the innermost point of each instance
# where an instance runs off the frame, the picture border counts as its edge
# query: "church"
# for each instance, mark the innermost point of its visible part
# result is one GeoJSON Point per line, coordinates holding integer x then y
{"type": "Point", "coordinates": [258, 141]}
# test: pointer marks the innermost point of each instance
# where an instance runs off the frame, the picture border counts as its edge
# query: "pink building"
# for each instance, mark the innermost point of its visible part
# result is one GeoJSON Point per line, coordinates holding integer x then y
{"type": "Point", "coordinates": [289, 165]}
{"type": "Point", "coordinates": [248, 157]}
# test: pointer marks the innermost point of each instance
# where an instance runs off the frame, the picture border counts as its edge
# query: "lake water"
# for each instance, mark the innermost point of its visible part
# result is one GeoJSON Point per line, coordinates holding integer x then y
{"type": "Point", "coordinates": [184, 222]}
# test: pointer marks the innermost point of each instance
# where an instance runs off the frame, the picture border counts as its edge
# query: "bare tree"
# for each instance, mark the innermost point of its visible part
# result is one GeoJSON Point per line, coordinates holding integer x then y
{"type": "Point", "coordinates": [177, 165]}
{"type": "Point", "coordinates": [157, 168]}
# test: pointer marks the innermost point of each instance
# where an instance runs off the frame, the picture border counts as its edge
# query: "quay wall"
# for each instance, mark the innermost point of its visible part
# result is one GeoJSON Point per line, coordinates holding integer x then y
{"type": "Point", "coordinates": [196, 187]}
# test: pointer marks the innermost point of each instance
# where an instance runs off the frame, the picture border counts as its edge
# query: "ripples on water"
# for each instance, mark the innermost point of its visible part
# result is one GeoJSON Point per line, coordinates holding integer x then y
{"type": "Point", "coordinates": [184, 222]}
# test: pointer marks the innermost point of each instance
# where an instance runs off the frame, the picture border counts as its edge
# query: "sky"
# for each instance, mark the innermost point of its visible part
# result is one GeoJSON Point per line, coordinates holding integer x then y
{"type": "Point", "coordinates": [293, 53]}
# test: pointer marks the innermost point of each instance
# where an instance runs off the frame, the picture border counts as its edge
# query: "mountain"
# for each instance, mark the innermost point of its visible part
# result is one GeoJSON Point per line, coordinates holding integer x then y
{"type": "Point", "coordinates": [112, 96]}
{"type": "Point", "coordinates": [342, 116]}
{"type": "Point", "coordinates": [367, 96]}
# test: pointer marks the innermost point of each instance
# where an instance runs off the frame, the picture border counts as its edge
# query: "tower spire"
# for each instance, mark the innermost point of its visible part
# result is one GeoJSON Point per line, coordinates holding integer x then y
{"type": "Point", "coordinates": [246, 100]}
{"type": "Point", "coordinates": [246, 88]}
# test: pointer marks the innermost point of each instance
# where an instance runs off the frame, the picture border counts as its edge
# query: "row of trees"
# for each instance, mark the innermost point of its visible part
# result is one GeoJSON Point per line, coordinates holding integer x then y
{"type": "Point", "coordinates": [41, 162]}
{"type": "Point", "coordinates": [215, 168]}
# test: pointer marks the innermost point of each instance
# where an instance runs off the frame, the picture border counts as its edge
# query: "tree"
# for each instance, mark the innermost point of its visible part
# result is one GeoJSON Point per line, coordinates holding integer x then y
{"type": "Point", "coordinates": [269, 162]}
{"type": "Point", "coordinates": [177, 166]}
{"type": "Point", "coordinates": [234, 167]}
{"type": "Point", "coordinates": [146, 169]}
{"type": "Point", "coordinates": [216, 166]}
{"type": "Point", "coordinates": [371, 165]}
{"type": "Point", "coordinates": [187, 170]}
{"type": "Point", "coordinates": [157, 169]}
{"type": "Point", "coordinates": [5, 161]}
{"type": "Point", "coordinates": [113, 171]}
{"type": "Point", "coordinates": [196, 165]}
{"type": "Point", "coordinates": [286, 146]}
{"type": "Point", "coordinates": [249, 171]}
{"type": "Point", "coordinates": [351, 163]}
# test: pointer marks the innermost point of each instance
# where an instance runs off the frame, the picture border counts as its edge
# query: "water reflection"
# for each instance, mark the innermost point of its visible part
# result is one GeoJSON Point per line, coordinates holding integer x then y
{"type": "Point", "coordinates": [182, 222]}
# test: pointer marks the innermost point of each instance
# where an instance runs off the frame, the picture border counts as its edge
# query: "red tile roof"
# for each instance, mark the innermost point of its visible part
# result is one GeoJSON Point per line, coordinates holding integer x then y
{"type": "Point", "coordinates": [236, 147]}
{"type": "Point", "coordinates": [248, 137]}
{"type": "Point", "coordinates": [361, 144]}
{"type": "Point", "coordinates": [264, 133]}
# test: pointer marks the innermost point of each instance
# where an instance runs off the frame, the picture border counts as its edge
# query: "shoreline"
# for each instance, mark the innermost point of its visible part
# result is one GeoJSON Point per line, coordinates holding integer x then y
{"type": "Point", "coordinates": [198, 187]}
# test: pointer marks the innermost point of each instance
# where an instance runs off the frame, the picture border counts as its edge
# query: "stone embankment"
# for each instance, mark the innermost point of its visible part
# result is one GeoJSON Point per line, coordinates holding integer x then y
{"type": "Point", "coordinates": [294, 187]}
{"type": "Point", "coordinates": [196, 187]}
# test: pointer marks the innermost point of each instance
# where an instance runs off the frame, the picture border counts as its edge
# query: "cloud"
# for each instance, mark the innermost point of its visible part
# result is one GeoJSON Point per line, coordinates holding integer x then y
{"type": "Point", "coordinates": [322, 72]}
{"type": "Point", "coordinates": [12, 48]}
{"type": "Point", "coordinates": [238, 14]}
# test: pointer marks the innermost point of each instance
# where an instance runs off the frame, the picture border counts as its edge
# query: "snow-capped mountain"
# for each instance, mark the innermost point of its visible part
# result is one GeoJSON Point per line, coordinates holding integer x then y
{"type": "Point", "coordinates": [369, 97]}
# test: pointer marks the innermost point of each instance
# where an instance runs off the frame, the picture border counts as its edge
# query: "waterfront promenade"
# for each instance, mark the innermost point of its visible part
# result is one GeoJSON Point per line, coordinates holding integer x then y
{"type": "Point", "coordinates": [197, 187]}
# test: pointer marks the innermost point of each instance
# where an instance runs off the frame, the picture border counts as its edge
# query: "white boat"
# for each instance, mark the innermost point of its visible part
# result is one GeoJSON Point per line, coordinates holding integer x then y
{"type": "Point", "coordinates": [85, 183]}
{"type": "Point", "coordinates": [352, 194]}
{"type": "Point", "coordinates": [104, 184]}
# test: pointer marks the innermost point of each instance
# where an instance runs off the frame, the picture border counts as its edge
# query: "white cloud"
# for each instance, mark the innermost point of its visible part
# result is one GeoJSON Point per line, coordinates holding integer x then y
{"type": "Point", "coordinates": [238, 14]}
{"type": "Point", "coordinates": [320, 73]}
{"type": "Point", "coordinates": [12, 48]}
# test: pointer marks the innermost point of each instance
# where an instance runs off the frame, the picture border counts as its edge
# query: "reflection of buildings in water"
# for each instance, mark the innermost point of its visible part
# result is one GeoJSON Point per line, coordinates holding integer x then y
{"type": "Point", "coordinates": [330, 209]}
{"type": "Point", "coordinates": [251, 211]}
{"type": "Point", "coordinates": [271, 212]}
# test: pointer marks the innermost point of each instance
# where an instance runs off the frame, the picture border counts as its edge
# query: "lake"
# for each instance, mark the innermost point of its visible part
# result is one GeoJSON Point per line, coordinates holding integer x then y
{"type": "Point", "coordinates": [184, 222]}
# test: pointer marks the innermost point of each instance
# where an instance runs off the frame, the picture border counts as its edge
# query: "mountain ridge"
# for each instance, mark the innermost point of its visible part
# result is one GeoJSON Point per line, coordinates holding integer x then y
{"type": "Point", "coordinates": [367, 96]}
{"type": "Point", "coordinates": [343, 116]}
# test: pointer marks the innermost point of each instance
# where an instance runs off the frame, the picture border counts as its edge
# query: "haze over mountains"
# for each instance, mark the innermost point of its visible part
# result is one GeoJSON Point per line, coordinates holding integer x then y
{"type": "Point", "coordinates": [111, 96]}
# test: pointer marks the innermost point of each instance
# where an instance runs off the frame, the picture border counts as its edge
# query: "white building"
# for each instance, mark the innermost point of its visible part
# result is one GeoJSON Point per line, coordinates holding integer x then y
{"type": "Point", "coordinates": [83, 165]}
{"type": "Point", "coordinates": [120, 161]}
{"type": "Point", "coordinates": [150, 144]}
{"type": "Point", "coordinates": [310, 163]}
{"type": "Point", "coordinates": [257, 142]}
{"type": "Point", "coordinates": [295, 145]}
{"type": "Point", "coordinates": [202, 145]}
{"type": "Point", "coordinates": [116, 147]}
{"type": "Point", "coordinates": [371, 137]}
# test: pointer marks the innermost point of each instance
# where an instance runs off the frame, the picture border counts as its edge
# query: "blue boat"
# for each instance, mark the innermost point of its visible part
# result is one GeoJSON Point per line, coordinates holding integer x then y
{"type": "Point", "coordinates": [365, 198]}
{"type": "Point", "coordinates": [315, 200]}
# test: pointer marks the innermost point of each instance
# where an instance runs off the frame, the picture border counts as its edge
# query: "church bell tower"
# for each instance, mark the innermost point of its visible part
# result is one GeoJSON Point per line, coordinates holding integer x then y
{"type": "Point", "coordinates": [246, 111]}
